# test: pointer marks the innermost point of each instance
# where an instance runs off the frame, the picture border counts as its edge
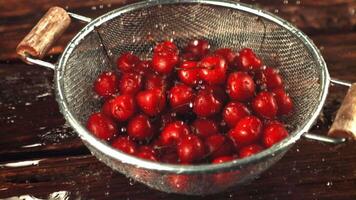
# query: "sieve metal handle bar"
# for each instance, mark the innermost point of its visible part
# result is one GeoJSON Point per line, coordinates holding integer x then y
{"type": "Point", "coordinates": [39, 40]}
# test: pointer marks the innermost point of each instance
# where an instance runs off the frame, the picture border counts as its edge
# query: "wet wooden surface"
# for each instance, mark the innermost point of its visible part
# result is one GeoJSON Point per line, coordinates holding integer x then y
{"type": "Point", "coordinates": [40, 156]}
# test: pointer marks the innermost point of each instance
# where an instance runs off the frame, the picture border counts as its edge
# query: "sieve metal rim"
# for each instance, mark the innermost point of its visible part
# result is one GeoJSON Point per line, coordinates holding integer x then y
{"type": "Point", "coordinates": [188, 169]}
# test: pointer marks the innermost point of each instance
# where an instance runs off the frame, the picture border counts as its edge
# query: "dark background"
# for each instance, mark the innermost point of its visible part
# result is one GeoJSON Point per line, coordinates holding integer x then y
{"type": "Point", "coordinates": [32, 129]}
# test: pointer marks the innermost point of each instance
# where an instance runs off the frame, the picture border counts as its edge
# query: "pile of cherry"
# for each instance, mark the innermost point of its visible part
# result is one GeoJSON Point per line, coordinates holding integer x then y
{"type": "Point", "coordinates": [194, 106]}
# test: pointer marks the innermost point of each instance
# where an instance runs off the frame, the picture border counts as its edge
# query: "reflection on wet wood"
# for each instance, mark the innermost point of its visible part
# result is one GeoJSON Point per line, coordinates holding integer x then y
{"type": "Point", "coordinates": [40, 155]}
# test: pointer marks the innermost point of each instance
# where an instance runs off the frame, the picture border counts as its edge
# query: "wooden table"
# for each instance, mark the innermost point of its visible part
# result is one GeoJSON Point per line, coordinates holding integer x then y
{"type": "Point", "coordinates": [41, 156]}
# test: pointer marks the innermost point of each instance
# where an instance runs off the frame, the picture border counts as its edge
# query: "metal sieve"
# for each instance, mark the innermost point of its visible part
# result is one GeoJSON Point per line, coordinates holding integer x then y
{"type": "Point", "coordinates": [224, 24]}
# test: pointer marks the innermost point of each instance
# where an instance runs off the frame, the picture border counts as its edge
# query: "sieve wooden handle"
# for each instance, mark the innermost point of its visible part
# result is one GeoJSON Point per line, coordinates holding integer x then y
{"type": "Point", "coordinates": [44, 34]}
{"type": "Point", "coordinates": [345, 121]}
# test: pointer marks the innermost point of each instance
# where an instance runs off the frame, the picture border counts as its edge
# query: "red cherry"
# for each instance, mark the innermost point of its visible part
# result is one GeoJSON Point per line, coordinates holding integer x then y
{"type": "Point", "coordinates": [173, 133]}
{"type": "Point", "coordinates": [127, 62]}
{"type": "Point", "coordinates": [125, 145]}
{"type": "Point", "coordinates": [140, 127]}
{"type": "Point", "coordinates": [284, 102]}
{"type": "Point", "coordinates": [198, 48]}
{"type": "Point", "coordinates": [106, 84]}
{"type": "Point", "coordinates": [247, 60]}
{"type": "Point", "coordinates": [151, 101]}
{"type": "Point", "coordinates": [273, 79]}
{"type": "Point", "coordinates": [246, 131]}
{"type": "Point", "coordinates": [222, 159]}
{"type": "Point", "coordinates": [227, 54]}
{"type": "Point", "coordinates": [123, 107]}
{"type": "Point", "coordinates": [273, 133]}
{"type": "Point", "coordinates": [190, 149]}
{"type": "Point", "coordinates": [206, 104]}
{"type": "Point", "coordinates": [130, 83]}
{"type": "Point", "coordinates": [234, 112]}
{"type": "Point", "coordinates": [166, 47]}
{"type": "Point", "coordinates": [240, 86]}
{"type": "Point", "coordinates": [107, 107]}
{"type": "Point", "coordinates": [101, 126]}
{"type": "Point", "coordinates": [180, 96]}
{"type": "Point", "coordinates": [147, 153]}
{"type": "Point", "coordinates": [213, 69]}
{"type": "Point", "coordinates": [164, 63]}
{"type": "Point", "coordinates": [154, 81]}
{"type": "Point", "coordinates": [250, 150]}
{"type": "Point", "coordinates": [144, 67]}
{"type": "Point", "coordinates": [189, 73]}
{"type": "Point", "coordinates": [205, 127]}
{"type": "Point", "coordinates": [219, 145]}
{"type": "Point", "coordinates": [265, 105]}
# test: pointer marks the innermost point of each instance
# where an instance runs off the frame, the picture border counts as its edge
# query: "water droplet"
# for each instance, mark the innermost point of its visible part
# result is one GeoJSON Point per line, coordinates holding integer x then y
{"type": "Point", "coordinates": [298, 2]}
{"type": "Point", "coordinates": [131, 181]}
{"type": "Point", "coordinates": [323, 160]}
{"type": "Point", "coordinates": [93, 7]}
{"type": "Point", "coordinates": [297, 150]}
{"type": "Point", "coordinates": [276, 11]}
{"type": "Point", "coordinates": [285, 1]}
{"type": "Point", "coordinates": [107, 193]}
{"type": "Point", "coordinates": [230, 195]}
{"type": "Point", "coordinates": [329, 183]}
{"type": "Point", "coordinates": [109, 5]}
{"type": "Point", "coordinates": [101, 6]}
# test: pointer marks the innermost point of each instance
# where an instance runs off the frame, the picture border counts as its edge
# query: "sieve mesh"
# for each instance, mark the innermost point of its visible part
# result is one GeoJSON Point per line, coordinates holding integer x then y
{"type": "Point", "coordinates": [137, 29]}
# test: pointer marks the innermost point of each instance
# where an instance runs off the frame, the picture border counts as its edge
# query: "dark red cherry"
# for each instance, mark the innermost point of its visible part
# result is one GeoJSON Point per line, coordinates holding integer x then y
{"type": "Point", "coordinates": [101, 126]}
{"type": "Point", "coordinates": [123, 107]}
{"type": "Point", "coordinates": [144, 67]}
{"type": "Point", "coordinates": [106, 84]}
{"type": "Point", "coordinates": [180, 96]}
{"type": "Point", "coordinates": [198, 48]}
{"type": "Point", "coordinates": [151, 101]}
{"type": "Point", "coordinates": [273, 133]}
{"type": "Point", "coordinates": [190, 149]}
{"type": "Point", "coordinates": [107, 107]}
{"type": "Point", "coordinates": [174, 132]}
{"type": "Point", "coordinates": [189, 73]}
{"type": "Point", "coordinates": [213, 69]}
{"type": "Point", "coordinates": [265, 105]}
{"type": "Point", "coordinates": [234, 112]}
{"type": "Point", "coordinates": [219, 145]}
{"type": "Point", "coordinates": [125, 145]}
{"type": "Point", "coordinates": [240, 86]}
{"type": "Point", "coordinates": [154, 81]}
{"type": "Point", "coordinates": [205, 127]}
{"type": "Point", "coordinates": [140, 128]}
{"type": "Point", "coordinates": [206, 104]}
{"type": "Point", "coordinates": [250, 150]}
{"type": "Point", "coordinates": [164, 63]}
{"type": "Point", "coordinates": [284, 102]}
{"type": "Point", "coordinates": [147, 153]}
{"type": "Point", "coordinates": [273, 79]}
{"type": "Point", "coordinates": [188, 57]}
{"type": "Point", "coordinates": [222, 159]}
{"type": "Point", "coordinates": [247, 131]}
{"type": "Point", "coordinates": [247, 60]}
{"type": "Point", "coordinates": [228, 54]}
{"type": "Point", "coordinates": [127, 62]}
{"type": "Point", "coordinates": [130, 83]}
{"type": "Point", "coordinates": [166, 47]}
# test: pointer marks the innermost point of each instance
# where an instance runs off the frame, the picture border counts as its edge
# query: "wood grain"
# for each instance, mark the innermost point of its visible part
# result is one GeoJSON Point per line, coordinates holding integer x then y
{"type": "Point", "coordinates": [33, 129]}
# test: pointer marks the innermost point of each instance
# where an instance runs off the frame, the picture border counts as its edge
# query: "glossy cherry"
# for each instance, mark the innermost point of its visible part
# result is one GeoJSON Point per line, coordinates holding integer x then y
{"type": "Point", "coordinates": [247, 131]}
{"type": "Point", "coordinates": [240, 86]}
{"type": "Point", "coordinates": [265, 105]}
{"type": "Point", "coordinates": [147, 153]}
{"type": "Point", "coordinates": [198, 48]}
{"type": "Point", "coordinates": [190, 149]}
{"type": "Point", "coordinates": [130, 83]}
{"type": "Point", "coordinates": [123, 107]}
{"type": "Point", "coordinates": [101, 126]}
{"type": "Point", "coordinates": [164, 63]}
{"type": "Point", "coordinates": [107, 107]}
{"type": "Point", "coordinates": [205, 127]}
{"type": "Point", "coordinates": [151, 101]}
{"type": "Point", "coordinates": [219, 145]}
{"type": "Point", "coordinates": [106, 84]}
{"type": "Point", "coordinates": [213, 69]}
{"type": "Point", "coordinates": [228, 54]}
{"type": "Point", "coordinates": [234, 112]}
{"type": "Point", "coordinates": [189, 73]}
{"type": "Point", "coordinates": [140, 127]}
{"type": "Point", "coordinates": [284, 102]}
{"type": "Point", "coordinates": [127, 62]}
{"type": "Point", "coordinates": [206, 104]}
{"type": "Point", "coordinates": [174, 132]}
{"type": "Point", "coordinates": [273, 133]}
{"type": "Point", "coordinates": [154, 81]}
{"type": "Point", "coordinates": [180, 96]}
{"type": "Point", "coordinates": [125, 145]}
{"type": "Point", "coordinates": [143, 67]}
{"type": "Point", "coordinates": [250, 150]}
{"type": "Point", "coordinates": [166, 47]}
{"type": "Point", "coordinates": [273, 78]}
{"type": "Point", "coordinates": [247, 60]}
